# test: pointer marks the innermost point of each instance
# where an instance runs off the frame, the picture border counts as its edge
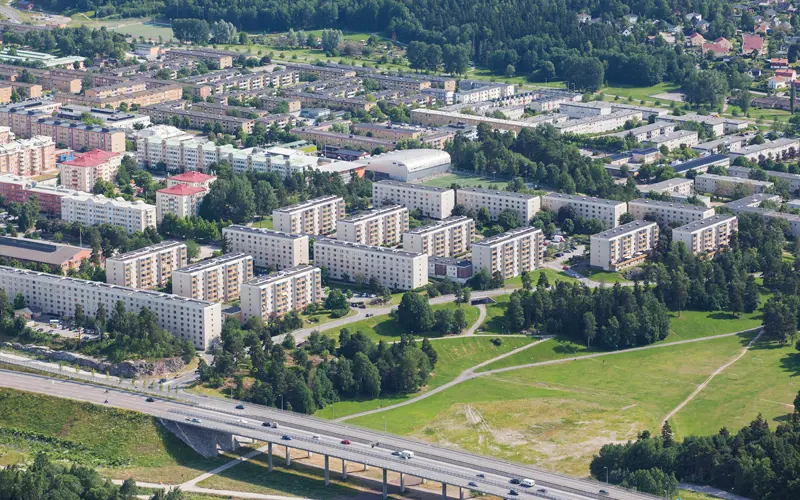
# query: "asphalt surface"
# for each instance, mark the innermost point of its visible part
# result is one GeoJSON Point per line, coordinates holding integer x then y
{"type": "Point", "coordinates": [453, 467]}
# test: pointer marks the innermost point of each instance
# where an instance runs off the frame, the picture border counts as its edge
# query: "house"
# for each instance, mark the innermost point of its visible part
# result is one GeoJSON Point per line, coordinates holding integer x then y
{"type": "Point", "coordinates": [763, 27]}
{"type": "Point", "coordinates": [724, 42]}
{"type": "Point", "coordinates": [789, 74]}
{"type": "Point", "coordinates": [777, 82]}
{"type": "Point", "coordinates": [667, 37]}
{"type": "Point", "coordinates": [778, 63]}
{"type": "Point", "coordinates": [632, 18]}
{"type": "Point", "coordinates": [696, 40]}
{"type": "Point", "coordinates": [702, 25]}
{"type": "Point", "coordinates": [717, 50]}
{"type": "Point", "coordinates": [753, 44]}
{"type": "Point", "coordinates": [694, 15]}
{"type": "Point", "coordinates": [584, 18]}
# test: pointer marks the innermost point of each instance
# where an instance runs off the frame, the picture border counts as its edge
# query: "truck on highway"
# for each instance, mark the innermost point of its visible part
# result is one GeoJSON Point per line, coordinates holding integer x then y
{"type": "Point", "coordinates": [406, 454]}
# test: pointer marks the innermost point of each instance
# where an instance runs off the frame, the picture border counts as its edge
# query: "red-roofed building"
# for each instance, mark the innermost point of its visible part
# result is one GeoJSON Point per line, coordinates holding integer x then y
{"type": "Point", "coordinates": [192, 178]}
{"type": "Point", "coordinates": [181, 200]}
{"type": "Point", "coordinates": [776, 63]}
{"type": "Point", "coordinates": [82, 172]}
{"type": "Point", "coordinates": [724, 42]}
{"type": "Point", "coordinates": [718, 50]}
{"type": "Point", "coordinates": [753, 43]}
{"type": "Point", "coordinates": [789, 74]}
{"type": "Point", "coordinates": [696, 40]}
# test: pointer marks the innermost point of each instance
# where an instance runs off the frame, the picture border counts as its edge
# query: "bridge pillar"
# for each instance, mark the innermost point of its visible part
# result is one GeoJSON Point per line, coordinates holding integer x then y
{"type": "Point", "coordinates": [344, 470]}
{"type": "Point", "coordinates": [460, 493]}
{"type": "Point", "coordinates": [327, 472]}
{"type": "Point", "coordinates": [310, 454]}
{"type": "Point", "coordinates": [385, 486]}
{"type": "Point", "coordinates": [402, 483]}
{"type": "Point", "coordinates": [269, 457]}
{"type": "Point", "coordinates": [366, 467]}
{"type": "Point", "coordinates": [444, 491]}
{"type": "Point", "coordinates": [288, 457]}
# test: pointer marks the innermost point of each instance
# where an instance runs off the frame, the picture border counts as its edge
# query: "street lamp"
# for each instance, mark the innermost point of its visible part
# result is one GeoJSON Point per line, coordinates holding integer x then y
{"type": "Point", "coordinates": [281, 395]}
{"type": "Point", "coordinates": [606, 468]}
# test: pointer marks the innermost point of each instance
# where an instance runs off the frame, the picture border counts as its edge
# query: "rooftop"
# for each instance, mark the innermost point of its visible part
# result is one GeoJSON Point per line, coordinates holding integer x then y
{"type": "Point", "coordinates": [667, 204]}
{"type": "Point", "coordinates": [309, 203]}
{"type": "Point", "coordinates": [498, 238]}
{"type": "Point", "coordinates": [93, 158]}
{"type": "Point", "coordinates": [279, 275]}
{"type": "Point", "coordinates": [407, 185]}
{"type": "Point", "coordinates": [701, 162]}
{"type": "Point", "coordinates": [740, 180]}
{"type": "Point", "coordinates": [368, 248]}
{"type": "Point", "coordinates": [450, 261]}
{"type": "Point", "coordinates": [510, 194]}
{"type": "Point", "coordinates": [192, 176]}
{"type": "Point", "coordinates": [159, 247]}
{"type": "Point", "coordinates": [449, 221]}
{"type": "Point", "coordinates": [703, 223]}
{"type": "Point", "coordinates": [209, 263]}
{"type": "Point", "coordinates": [578, 197]}
{"type": "Point", "coordinates": [667, 184]}
{"type": "Point", "coordinates": [373, 213]}
{"type": "Point", "coordinates": [182, 190]}
{"type": "Point", "coordinates": [623, 229]}
{"type": "Point", "coordinates": [263, 231]}
{"type": "Point", "coordinates": [32, 250]}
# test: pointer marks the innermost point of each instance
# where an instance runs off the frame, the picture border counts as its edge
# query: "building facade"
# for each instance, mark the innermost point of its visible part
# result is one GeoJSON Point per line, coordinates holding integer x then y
{"type": "Point", "coordinates": [179, 200]}
{"type": "Point", "coordinates": [607, 211]}
{"type": "Point", "coordinates": [511, 253]}
{"type": "Point", "coordinates": [667, 213]}
{"type": "Point", "coordinates": [278, 293]}
{"type": "Point", "coordinates": [449, 237]}
{"type": "Point", "coordinates": [707, 235]}
{"type": "Point", "coordinates": [396, 269]}
{"type": "Point", "coordinates": [623, 246]}
{"type": "Point", "coordinates": [269, 249]}
{"type": "Point", "coordinates": [525, 205]}
{"type": "Point", "coordinates": [723, 185]}
{"type": "Point", "coordinates": [317, 216]}
{"type": "Point", "coordinates": [97, 209]}
{"type": "Point", "coordinates": [28, 157]}
{"type": "Point", "coordinates": [147, 268]}
{"type": "Point", "coordinates": [433, 202]}
{"type": "Point", "coordinates": [85, 169]}
{"type": "Point", "coordinates": [380, 227]}
{"type": "Point", "coordinates": [214, 280]}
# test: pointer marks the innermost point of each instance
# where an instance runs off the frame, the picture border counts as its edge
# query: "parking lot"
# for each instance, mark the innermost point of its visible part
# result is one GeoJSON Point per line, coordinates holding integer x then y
{"type": "Point", "coordinates": [43, 324]}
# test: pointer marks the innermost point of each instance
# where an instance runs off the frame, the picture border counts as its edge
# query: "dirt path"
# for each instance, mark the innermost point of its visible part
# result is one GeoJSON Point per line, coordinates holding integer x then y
{"type": "Point", "coordinates": [481, 319]}
{"type": "Point", "coordinates": [709, 379]}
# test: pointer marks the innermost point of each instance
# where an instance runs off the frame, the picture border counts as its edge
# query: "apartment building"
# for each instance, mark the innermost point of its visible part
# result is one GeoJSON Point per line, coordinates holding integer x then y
{"type": "Point", "coordinates": [179, 200]}
{"type": "Point", "coordinates": [380, 227]}
{"type": "Point", "coordinates": [707, 235]}
{"type": "Point", "coordinates": [446, 238]}
{"type": "Point", "coordinates": [525, 205]}
{"type": "Point", "coordinates": [457, 270]}
{"type": "Point", "coordinates": [607, 211]}
{"type": "Point", "coordinates": [222, 59]}
{"type": "Point", "coordinates": [779, 149]}
{"type": "Point", "coordinates": [321, 136]}
{"type": "Point", "coordinates": [147, 268]}
{"type": "Point", "coordinates": [278, 293]}
{"type": "Point", "coordinates": [187, 319]}
{"type": "Point", "coordinates": [668, 213]}
{"type": "Point", "coordinates": [269, 249]}
{"type": "Point", "coordinates": [97, 209]}
{"type": "Point", "coordinates": [214, 280]}
{"type": "Point", "coordinates": [151, 144]}
{"type": "Point", "coordinates": [333, 102]}
{"type": "Point", "coordinates": [599, 124]}
{"type": "Point", "coordinates": [85, 169]}
{"type": "Point", "coordinates": [437, 117]}
{"type": "Point", "coordinates": [80, 137]}
{"type": "Point", "coordinates": [20, 189]}
{"type": "Point", "coordinates": [723, 185]}
{"type": "Point", "coordinates": [395, 269]}
{"type": "Point", "coordinates": [511, 253]}
{"type": "Point", "coordinates": [793, 180]}
{"type": "Point", "coordinates": [316, 216]}
{"type": "Point", "coordinates": [674, 140]}
{"type": "Point", "coordinates": [433, 202]}
{"type": "Point", "coordinates": [623, 246]}
{"type": "Point", "coordinates": [192, 179]}
{"type": "Point", "coordinates": [645, 132]}
{"type": "Point", "coordinates": [197, 119]}
{"type": "Point", "coordinates": [676, 185]}
{"type": "Point", "coordinates": [28, 157]}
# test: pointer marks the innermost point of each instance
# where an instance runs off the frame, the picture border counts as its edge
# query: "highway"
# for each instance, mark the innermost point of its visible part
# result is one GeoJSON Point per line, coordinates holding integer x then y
{"type": "Point", "coordinates": [455, 468]}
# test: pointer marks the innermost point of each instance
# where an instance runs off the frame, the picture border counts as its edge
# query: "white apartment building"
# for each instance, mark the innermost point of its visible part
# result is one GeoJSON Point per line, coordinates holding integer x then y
{"type": "Point", "coordinates": [382, 226]}
{"type": "Point", "coordinates": [446, 238]}
{"type": "Point", "coordinates": [707, 235]}
{"type": "Point", "coordinates": [317, 216]}
{"type": "Point", "coordinates": [645, 132]}
{"type": "Point", "coordinates": [151, 145]}
{"type": "Point", "coordinates": [146, 268]}
{"type": "Point", "coordinates": [432, 201]}
{"type": "Point", "coordinates": [744, 173]}
{"type": "Point", "coordinates": [214, 280]}
{"type": "Point", "coordinates": [675, 139]}
{"type": "Point", "coordinates": [525, 205]}
{"type": "Point", "coordinates": [666, 212]}
{"type": "Point", "coordinates": [192, 179]}
{"type": "Point", "coordinates": [676, 185]}
{"type": "Point", "coordinates": [511, 253]}
{"type": "Point", "coordinates": [195, 320]}
{"type": "Point", "coordinates": [180, 200]}
{"type": "Point", "coordinates": [607, 211]}
{"type": "Point", "coordinates": [599, 124]}
{"type": "Point", "coordinates": [623, 246]}
{"type": "Point", "coordinates": [292, 289]}
{"type": "Point", "coordinates": [85, 169]}
{"type": "Point", "coordinates": [97, 209]}
{"type": "Point", "coordinates": [723, 185]}
{"type": "Point", "coordinates": [396, 269]}
{"type": "Point", "coordinates": [270, 249]}
{"type": "Point", "coordinates": [28, 157]}
{"type": "Point", "coordinates": [779, 149]}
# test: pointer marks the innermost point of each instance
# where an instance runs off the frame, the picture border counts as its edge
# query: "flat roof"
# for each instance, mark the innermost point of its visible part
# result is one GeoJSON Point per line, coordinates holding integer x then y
{"type": "Point", "coordinates": [158, 247]}
{"type": "Point", "coordinates": [368, 248]}
{"type": "Point", "coordinates": [449, 221]}
{"type": "Point", "coordinates": [741, 180]}
{"type": "Point", "coordinates": [703, 223]}
{"type": "Point", "coordinates": [623, 229]}
{"type": "Point", "coordinates": [666, 204]}
{"type": "Point", "coordinates": [755, 148]}
{"type": "Point", "coordinates": [450, 261]}
{"type": "Point", "coordinates": [206, 264]}
{"type": "Point", "coordinates": [373, 213]}
{"type": "Point", "coordinates": [38, 251]}
{"type": "Point", "coordinates": [669, 183]}
{"type": "Point", "coordinates": [263, 231]}
{"type": "Point", "coordinates": [279, 275]}
{"type": "Point", "coordinates": [510, 194]}
{"type": "Point", "coordinates": [701, 162]}
{"type": "Point", "coordinates": [308, 203]}
{"type": "Point", "coordinates": [577, 197]}
{"type": "Point", "coordinates": [408, 185]}
{"type": "Point", "coordinates": [497, 238]}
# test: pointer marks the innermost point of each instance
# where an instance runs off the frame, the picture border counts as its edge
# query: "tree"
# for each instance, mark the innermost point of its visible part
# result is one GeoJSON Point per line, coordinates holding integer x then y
{"type": "Point", "coordinates": [427, 348]}
{"type": "Point", "coordinates": [19, 302]}
{"type": "Point", "coordinates": [586, 73]}
{"type": "Point", "coordinates": [509, 219]}
{"type": "Point", "coordinates": [797, 403]}
{"type": "Point", "coordinates": [543, 281]}
{"type": "Point", "coordinates": [336, 300]}
{"type": "Point", "coordinates": [667, 435]}
{"type": "Point", "coordinates": [331, 39]}
{"type": "Point", "coordinates": [514, 315]}
{"type": "Point", "coordinates": [589, 327]}
{"type": "Point", "coordinates": [265, 198]}
{"type": "Point", "coordinates": [414, 313]}
{"type": "Point", "coordinates": [366, 376]}
{"type": "Point", "coordinates": [223, 32]}
{"type": "Point", "coordinates": [192, 249]}
{"type": "Point", "coordinates": [229, 200]}
{"type": "Point", "coordinates": [709, 88]}
{"type": "Point", "coordinates": [527, 281]}
{"type": "Point", "coordinates": [455, 58]}
{"type": "Point", "coordinates": [752, 296]}
{"type": "Point", "coordinates": [445, 321]}
{"type": "Point", "coordinates": [461, 321]}
{"type": "Point", "coordinates": [626, 218]}
{"type": "Point", "coordinates": [191, 30]}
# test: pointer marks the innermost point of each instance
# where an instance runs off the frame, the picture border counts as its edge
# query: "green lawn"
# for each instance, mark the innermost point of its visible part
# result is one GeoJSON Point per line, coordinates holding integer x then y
{"type": "Point", "coordinates": [121, 443]}
{"type": "Point", "coordinates": [549, 349]}
{"type": "Point", "coordinates": [265, 222]}
{"type": "Point", "coordinates": [640, 93]}
{"type": "Point", "coordinates": [447, 180]}
{"type": "Point", "coordinates": [456, 354]}
{"type": "Point", "coordinates": [763, 381]}
{"type": "Point", "coordinates": [552, 277]}
{"type": "Point", "coordinates": [146, 29]}
{"type": "Point", "coordinates": [558, 416]}
{"type": "Point", "coordinates": [385, 328]}
{"type": "Point", "coordinates": [320, 317]}
{"type": "Point", "coordinates": [604, 276]}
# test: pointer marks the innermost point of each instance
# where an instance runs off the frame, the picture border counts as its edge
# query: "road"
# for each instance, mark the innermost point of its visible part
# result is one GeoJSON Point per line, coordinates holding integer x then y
{"type": "Point", "coordinates": [452, 467]}
{"type": "Point", "coordinates": [10, 12]}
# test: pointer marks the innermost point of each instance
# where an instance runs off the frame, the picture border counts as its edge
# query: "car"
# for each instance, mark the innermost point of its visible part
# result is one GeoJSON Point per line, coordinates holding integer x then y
{"type": "Point", "coordinates": [559, 254]}
{"type": "Point", "coordinates": [396, 453]}
{"type": "Point", "coordinates": [240, 407]}
{"type": "Point", "coordinates": [566, 268]}
{"type": "Point", "coordinates": [481, 475]}
{"type": "Point", "coordinates": [345, 441]}
{"type": "Point", "coordinates": [286, 437]}
{"type": "Point", "coordinates": [265, 424]}
{"type": "Point", "coordinates": [542, 491]}
{"type": "Point", "coordinates": [513, 492]}
{"type": "Point", "coordinates": [603, 492]}
{"type": "Point", "coordinates": [196, 420]}
{"type": "Point", "coordinates": [162, 381]}
{"type": "Point", "coordinates": [472, 483]}
{"type": "Point", "coordinates": [150, 400]}
{"type": "Point", "coordinates": [514, 481]}
{"type": "Point", "coordinates": [274, 425]}
{"type": "Point", "coordinates": [242, 421]}
{"type": "Point", "coordinates": [316, 437]}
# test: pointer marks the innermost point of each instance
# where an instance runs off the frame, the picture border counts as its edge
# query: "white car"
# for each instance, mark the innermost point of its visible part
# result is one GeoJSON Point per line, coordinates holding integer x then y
{"type": "Point", "coordinates": [316, 436]}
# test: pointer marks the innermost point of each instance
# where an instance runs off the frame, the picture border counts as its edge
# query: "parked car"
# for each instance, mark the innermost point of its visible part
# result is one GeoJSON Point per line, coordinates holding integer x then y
{"type": "Point", "coordinates": [240, 407]}
{"type": "Point", "coordinates": [316, 437]}
{"type": "Point", "coordinates": [473, 483]}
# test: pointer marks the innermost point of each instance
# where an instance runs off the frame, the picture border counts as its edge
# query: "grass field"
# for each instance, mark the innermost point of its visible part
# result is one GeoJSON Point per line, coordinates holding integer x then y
{"type": "Point", "coordinates": [321, 317]}
{"type": "Point", "coordinates": [765, 380]}
{"type": "Point", "coordinates": [640, 93]}
{"type": "Point", "coordinates": [123, 444]}
{"type": "Point", "coordinates": [557, 348]}
{"type": "Point", "coordinates": [455, 356]}
{"type": "Point", "coordinates": [265, 222]}
{"type": "Point", "coordinates": [385, 328]}
{"type": "Point", "coordinates": [447, 180]}
{"type": "Point", "coordinates": [552, 276]}
{"type": "Point", "coordinates": [604, 276]}
{"type": "Point", "coordinates": [557, 416]}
